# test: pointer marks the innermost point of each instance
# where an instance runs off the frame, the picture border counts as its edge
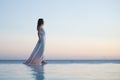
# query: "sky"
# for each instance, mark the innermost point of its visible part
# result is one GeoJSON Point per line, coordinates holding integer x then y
{"type": "Point", "coordinates": [75, 29]}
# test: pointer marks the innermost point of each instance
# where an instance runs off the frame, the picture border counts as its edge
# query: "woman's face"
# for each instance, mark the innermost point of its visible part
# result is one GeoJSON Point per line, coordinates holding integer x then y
{"type": "Point", "coordinates": [42, 25]}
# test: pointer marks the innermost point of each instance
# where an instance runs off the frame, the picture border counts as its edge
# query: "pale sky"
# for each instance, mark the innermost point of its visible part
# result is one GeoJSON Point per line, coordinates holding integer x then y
{"type": "Point", "coordinates": [75, 29]}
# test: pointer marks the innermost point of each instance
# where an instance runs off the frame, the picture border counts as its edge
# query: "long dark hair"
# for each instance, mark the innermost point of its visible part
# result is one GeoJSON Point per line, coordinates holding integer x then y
{"type": "Point", "coordinates": [40, 22]}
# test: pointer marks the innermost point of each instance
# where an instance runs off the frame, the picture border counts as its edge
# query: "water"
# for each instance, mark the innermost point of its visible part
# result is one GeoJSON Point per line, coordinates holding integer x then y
{"type": "Point", "coordinates": [61, 70]}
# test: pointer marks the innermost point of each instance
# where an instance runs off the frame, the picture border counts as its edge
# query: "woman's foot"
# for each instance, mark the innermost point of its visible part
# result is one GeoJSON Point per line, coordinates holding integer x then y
{"type": "Point", "coordinates": [43, 62]}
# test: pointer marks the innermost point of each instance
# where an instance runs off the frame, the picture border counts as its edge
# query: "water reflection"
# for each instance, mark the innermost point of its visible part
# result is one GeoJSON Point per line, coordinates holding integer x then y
{"type": "Point", "coordinates": [38, 71]}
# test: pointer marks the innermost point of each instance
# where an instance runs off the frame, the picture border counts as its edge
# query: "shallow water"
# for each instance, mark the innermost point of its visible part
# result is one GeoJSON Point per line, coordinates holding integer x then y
{"type": "Point", "coordinates": [60, 71]}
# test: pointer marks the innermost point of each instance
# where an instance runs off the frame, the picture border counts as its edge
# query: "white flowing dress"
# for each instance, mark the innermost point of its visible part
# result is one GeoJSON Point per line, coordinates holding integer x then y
{"type": "Point", "coordinates": [37, 53]}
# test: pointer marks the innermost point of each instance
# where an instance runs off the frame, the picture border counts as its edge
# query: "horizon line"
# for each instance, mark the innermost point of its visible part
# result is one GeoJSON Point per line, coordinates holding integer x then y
{"type": "Point", "coordinates": [56, 59]}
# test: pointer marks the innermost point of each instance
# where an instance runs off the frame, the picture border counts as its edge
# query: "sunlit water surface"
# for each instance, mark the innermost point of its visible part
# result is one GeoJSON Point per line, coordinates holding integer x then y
{"type": "Point", "coordinates": [60, 71]}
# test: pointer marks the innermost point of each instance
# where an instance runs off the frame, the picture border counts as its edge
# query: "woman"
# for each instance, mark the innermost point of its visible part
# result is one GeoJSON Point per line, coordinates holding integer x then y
{"type": "Point", "coordinates": [37, 54]}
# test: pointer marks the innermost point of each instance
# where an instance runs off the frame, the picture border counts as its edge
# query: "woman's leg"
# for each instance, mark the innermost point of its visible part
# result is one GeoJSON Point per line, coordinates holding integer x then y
{"type": "Point", "coordinates": [37, 59]}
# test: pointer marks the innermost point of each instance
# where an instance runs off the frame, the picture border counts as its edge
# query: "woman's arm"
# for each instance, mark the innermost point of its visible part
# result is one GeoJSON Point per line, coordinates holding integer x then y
{"type": "Point", "coordinates": [39, 33]}
{"type": "Point", "coordinates": [39, 36]}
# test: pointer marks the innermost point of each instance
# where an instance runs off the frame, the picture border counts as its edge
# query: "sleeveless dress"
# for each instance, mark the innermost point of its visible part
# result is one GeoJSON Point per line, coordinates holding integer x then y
{"type": "Point", "coordinates": [37, 53]}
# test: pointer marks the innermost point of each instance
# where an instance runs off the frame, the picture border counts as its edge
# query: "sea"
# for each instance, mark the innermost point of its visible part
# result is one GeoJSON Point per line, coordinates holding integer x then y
{"type": "Point", "coordinates": [61, 70]}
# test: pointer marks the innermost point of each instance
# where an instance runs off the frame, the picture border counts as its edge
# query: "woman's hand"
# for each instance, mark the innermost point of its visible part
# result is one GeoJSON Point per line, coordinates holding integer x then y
{"type": "Point", "coordinates": [39, 40]}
